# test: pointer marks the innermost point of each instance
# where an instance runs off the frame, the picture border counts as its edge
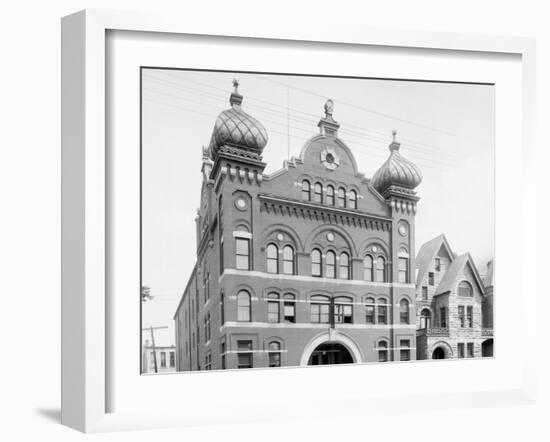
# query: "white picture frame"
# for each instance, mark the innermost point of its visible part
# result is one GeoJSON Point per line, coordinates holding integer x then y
{"type": "Point", "coordinates": [86, 311]}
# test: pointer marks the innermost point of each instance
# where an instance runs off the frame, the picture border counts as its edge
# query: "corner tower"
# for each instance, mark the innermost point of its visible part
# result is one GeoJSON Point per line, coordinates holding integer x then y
{"type": "Point", "coordinates": [396, 181]}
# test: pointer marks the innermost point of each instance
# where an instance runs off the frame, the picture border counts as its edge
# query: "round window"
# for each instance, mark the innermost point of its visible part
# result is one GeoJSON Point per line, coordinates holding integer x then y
{"type": "Point", "coordinates": [241, 203]}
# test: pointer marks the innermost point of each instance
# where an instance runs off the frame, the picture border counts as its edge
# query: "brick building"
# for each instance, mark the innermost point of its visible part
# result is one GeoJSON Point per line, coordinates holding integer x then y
{"type": "Point", "coordinates": [312, 264]}
{"type": "Point", "coordinates": [454, 305]}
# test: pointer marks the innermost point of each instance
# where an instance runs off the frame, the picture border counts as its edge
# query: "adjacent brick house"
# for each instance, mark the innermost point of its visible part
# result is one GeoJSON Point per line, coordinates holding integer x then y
{"type": "Point", "coordinates": [454, 305]}
{"type": "Point", "coordinates": [312, 264]}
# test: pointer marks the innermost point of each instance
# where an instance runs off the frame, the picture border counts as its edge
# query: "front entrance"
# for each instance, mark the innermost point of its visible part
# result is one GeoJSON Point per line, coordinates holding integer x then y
{"type": "Point", "coordinates": [330, 353]}
{"type": "Point", "coordinates": [487, 348]}
{"type": "Point", "coordinates": [438, 353]}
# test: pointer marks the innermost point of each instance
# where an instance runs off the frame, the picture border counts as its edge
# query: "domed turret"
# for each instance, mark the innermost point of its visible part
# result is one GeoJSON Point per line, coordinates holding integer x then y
{"type": "Point", "coordinates": [397, 171]}
{"type": "Point", "coordinates": [234, 128]}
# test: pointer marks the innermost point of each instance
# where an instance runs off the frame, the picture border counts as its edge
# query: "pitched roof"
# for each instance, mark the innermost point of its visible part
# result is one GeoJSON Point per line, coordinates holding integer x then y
{"type": "Point", "coordinates": [453, 272]}
{"type": "Point", "coordinates": [427, 253]}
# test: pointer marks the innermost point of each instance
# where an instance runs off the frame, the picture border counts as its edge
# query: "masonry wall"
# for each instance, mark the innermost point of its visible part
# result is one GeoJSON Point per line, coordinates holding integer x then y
{"type": "Point", "coordinates": [236, 204]}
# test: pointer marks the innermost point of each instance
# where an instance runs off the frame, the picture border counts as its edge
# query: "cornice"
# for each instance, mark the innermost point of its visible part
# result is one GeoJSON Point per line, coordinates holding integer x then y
{"type": "Point", "coordinates": [327, 214]}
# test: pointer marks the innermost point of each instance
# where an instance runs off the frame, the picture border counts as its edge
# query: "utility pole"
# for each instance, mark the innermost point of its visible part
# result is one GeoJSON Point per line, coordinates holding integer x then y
{"type": "Point", "coordinates": [152, 331]}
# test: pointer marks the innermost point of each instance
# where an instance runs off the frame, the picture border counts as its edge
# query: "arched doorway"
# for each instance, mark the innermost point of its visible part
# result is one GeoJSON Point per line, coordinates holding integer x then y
{"type": "Point", "coordinates": [439, 353]}
{"type": "Point", "coordinates": [336, 338]}
{"type": "Point", "coordinates": [487, 348]}
{"type": "Point", "coordinates": [330, 353]}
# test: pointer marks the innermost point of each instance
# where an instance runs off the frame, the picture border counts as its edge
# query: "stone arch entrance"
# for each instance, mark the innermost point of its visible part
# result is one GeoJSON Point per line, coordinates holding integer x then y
{"type": "Point", "coordinates": [441, 350]}
{"type": "Point", "coordinates": [330, 353]}
{"type": "Point", "coordinates": [487, 348]}
{"type": "Point", "coordinates": [342, 348]}
{"type": "Point", "coordinates": [438, 353]}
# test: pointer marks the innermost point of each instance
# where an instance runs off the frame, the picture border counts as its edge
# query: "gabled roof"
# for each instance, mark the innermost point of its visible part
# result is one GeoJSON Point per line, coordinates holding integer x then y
{"type": "Point", "coordinates": [427, 253]}
{"type": "Point", "coordinates": [450, 279]}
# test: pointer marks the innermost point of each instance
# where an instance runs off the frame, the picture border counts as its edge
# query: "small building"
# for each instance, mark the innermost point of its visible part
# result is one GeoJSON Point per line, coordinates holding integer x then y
{"type": "Point", "coordinates": [164, 357]}
{"type": "Point", "coordinates": [453, 304]}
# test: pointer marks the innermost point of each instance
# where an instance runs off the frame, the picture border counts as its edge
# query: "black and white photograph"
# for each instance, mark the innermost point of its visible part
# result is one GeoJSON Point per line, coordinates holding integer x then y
{"type": "Point", "coordinates": [267, 221]}
{"type": "Point", "coordinates": [325, 220]}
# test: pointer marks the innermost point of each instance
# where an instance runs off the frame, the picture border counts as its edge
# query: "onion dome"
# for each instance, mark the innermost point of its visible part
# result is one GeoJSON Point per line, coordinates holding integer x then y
{"type": "Point", "coordinates": [397, 171]}
{"type": "Point", "coordinates": [234, 128]}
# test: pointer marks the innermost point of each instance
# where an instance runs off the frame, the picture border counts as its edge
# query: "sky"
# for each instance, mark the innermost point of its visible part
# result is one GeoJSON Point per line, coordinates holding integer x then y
{"type": "Point", "coordinates": [446, 129]}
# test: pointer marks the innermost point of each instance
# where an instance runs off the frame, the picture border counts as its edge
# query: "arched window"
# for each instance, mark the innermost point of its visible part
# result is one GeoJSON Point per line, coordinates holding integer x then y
{"type": "Point", "coordinates": [318, 193]}
{"type": "Point", "coordinates": [368, 268]}
{"type": "Point", "coordinates": [382, 311]}
{"type": "Point", "coordinates": [272, 253]}
{"type": "Point", "coordinates": [380, 269]}
{"type": "Point", "coordinates": [343, 310]}
{"type": "Point", "coordinates": [330, 264]}
{"type": "Point", "coordinates": [341, 197]}
{"type": "Point", "coordinates": [425, 319]}
{"type": "Point", "coordinates": [404, 311]}
{"type": "Point", "coordinates": [382, 351]}
{"type": "Point", "coordinates": [289, 308]}
{"type": "Point", "coordinates": [369, 311]}
{"type": "Point", "coordinates": [243, 306]}
{"type": "Point", "coordinates": [288, 260]}
{"type": "Point", "coordinates": [274, 352]}
{"type": "Point", "coordinates": [330, 195]}
{"type": "Point", "coordinates": [320, 309]}
{"type": "Point", "coordinates": [273, 308]}
{"type": "Point", "coordinates": [344, 266]}
{"type": "Point", "coordinates": [306, 190]}
{"type": "Point", "coordinates": [316, 263]}
{"type": "Point", "coordinates": [353, 199]}
{"type": "Point", "coordinates": [403, 266]}
{"type": "Point", "coordinates": [465, 289]}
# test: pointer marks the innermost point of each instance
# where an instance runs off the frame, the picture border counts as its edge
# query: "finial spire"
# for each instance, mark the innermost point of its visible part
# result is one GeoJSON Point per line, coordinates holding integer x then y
{"type": "Point", "coordinates": [236, 99]}
{"type": "Point", "coordinates": [329, 108]}
{"type": "Point", "coordinates": [328, 126]}
{"type": "Point", "coordinates": [394, 144]}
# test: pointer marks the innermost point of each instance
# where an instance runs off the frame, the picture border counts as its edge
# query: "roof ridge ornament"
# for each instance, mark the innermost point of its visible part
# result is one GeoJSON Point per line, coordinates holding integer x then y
{"type": "Point", "coordinates": [394, 144]}
{"type": "Point", "coordinates": [236, 99]}
{"type": "Point", "coordinates": [327, 125]}
{"type": "Point", "coordinates": [329, 108]}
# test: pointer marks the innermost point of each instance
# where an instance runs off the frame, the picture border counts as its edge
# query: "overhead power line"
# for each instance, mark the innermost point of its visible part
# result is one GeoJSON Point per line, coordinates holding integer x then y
{"type": "Point", "coordinates": [373, 150]}
{"type": "Point", "coordinates": [372, 111]}
{"type": "Point", "coordinates": [312, 118]}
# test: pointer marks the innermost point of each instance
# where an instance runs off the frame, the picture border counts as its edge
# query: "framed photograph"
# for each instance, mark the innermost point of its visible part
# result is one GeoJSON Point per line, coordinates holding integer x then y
{"type": "Point", "coordinates": [321, 213]}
